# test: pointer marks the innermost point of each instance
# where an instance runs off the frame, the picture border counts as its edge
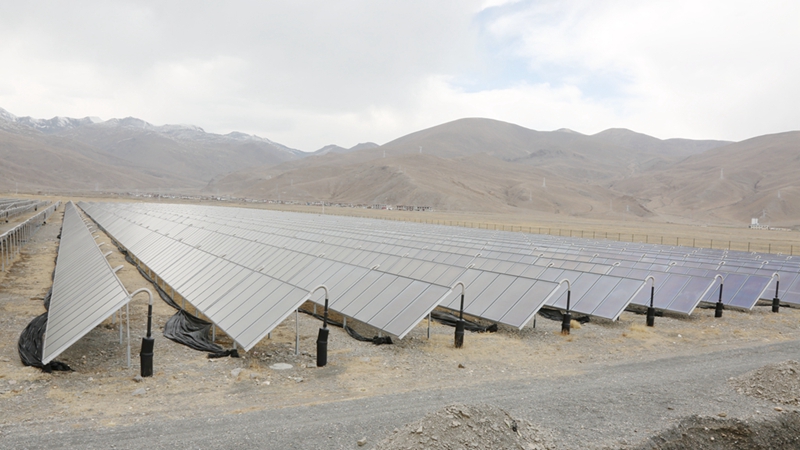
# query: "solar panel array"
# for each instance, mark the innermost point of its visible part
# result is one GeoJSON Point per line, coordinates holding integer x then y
{"type": "Point", "coordinates": [10, 207]}
{"type": "Point", "coordinates": [11, 241]}
{"type": "Point", "coordinates": [509, 276]}
{"type": "Point", "coordinates": [679, 293]}
{"type": "Point", "coordinates": [392, 293]}
{"type": "Point", "coordinates": [85, 289]}
{"type": "Point", "coordinates": [684, 274]}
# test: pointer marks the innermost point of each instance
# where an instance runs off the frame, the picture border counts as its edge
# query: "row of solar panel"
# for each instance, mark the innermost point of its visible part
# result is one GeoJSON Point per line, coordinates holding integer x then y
{"type": "Point", "coordinates": [484, 290]}
{"type": "Point", "coordinates": [86, 290]}
{"type": "Point", "coordinates": [20, 207]}
{"type": "Point", "coordinates": [490, 291]}
{"type": "Point", "coordinates": [743, 290]}
{"type": "Point", "coordinates": [678, 292]}
{"type": "Point", "coordinates": [231, 294]}
{"type": "Point", "coordinates": [298, 268]}
{"type": "Point", "coordinates": [11, 241]}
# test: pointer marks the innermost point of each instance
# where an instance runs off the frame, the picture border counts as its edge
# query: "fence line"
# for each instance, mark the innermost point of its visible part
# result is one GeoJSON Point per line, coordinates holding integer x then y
{"type": "Point", "coordinates": [719, 244]}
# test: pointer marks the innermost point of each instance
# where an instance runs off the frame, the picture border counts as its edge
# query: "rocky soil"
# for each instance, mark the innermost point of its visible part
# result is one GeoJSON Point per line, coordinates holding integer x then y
{"type": "Point", "coordinates": [461, 426]}
{"type": "Point", "coordinates": [715, 433]}
{"type": "Point", "coordinates": [778, 383]}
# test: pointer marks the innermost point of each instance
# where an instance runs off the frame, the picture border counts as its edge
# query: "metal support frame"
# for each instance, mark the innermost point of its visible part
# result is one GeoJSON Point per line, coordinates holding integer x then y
{"type": "Point", "coordinates": [149, 325]}
{"type": "Point", "coordinates": [567, 319]}
{"type": "Point", "coordinates": [12, 241]}
{"type": "Point", "coordinates": [651, 311]}
{"type": "Point", "coordinates": [719, 306]}
{"type": "Point", "coordinates": [776, 302]}
{"type": "Point", "coordinates": [459, 335]}
{"type": "Point", "coordinates": [322, 337]}
{"type": "Point", "coordinates": [429, 326]}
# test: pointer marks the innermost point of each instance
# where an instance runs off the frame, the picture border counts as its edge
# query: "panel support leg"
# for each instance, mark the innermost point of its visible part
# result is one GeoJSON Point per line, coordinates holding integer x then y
{"type": "Point", "coordinates": [296, 332]}
{"type": "Point", "coordinates": [429, 326]}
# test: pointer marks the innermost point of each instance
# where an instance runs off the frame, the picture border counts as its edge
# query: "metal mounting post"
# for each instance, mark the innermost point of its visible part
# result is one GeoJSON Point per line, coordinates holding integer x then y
{"type": "Point", "coordinates": [566, 322]}
{"type": "Point", "coordinates": [429, 326]}
{"type": "Point", "coordinates": [459, 336]}
{"type": "Point", "coordinates": [651, 311]}
{"type": "Point", "coordinates": [776, 302]}
{"type": "Point", "coordinates": [322, 337]}
{"type": "Point", "coordinates": [148, 343]}
{"type": "Point", "coordinates": [719, 306]}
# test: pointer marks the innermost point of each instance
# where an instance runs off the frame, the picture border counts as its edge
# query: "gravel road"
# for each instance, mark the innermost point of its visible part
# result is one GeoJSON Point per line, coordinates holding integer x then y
{"type": "Point", "coordinates": [609, 406]}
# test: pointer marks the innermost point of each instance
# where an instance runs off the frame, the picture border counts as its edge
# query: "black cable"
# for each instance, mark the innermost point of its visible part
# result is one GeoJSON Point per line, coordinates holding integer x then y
{"type": "Point", "coordinates": [451, 320]}
{"type": "Point", "coordinates": [377, 340]}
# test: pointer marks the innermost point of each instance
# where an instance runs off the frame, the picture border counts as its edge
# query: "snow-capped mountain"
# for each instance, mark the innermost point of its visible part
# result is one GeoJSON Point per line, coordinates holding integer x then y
{"type": "Point", "coordinates": [184, 153]}
{"type": "Point", "coordinates": [48, 126]}
{"type": "Point", "coordinates": [183, 132]}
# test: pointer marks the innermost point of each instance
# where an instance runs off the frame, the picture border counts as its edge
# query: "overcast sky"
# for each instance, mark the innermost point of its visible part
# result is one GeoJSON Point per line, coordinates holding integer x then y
{"type": "Point", "coordinates": [311, 73]}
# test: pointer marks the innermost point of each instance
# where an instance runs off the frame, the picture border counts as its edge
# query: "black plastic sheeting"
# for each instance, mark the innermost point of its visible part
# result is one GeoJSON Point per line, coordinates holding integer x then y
{"type": "Point", "coordinates": [31, 344]}
{"type": "Point", "coordinates": [167, 299]}
{"type": "Point", "coordinates": [184, 328]}
{"type": "Point", "coordinates": [47, 299]}
{"type": "Point", "coordinates": [556, 315]}
{"type": "Point", "coordinates": [451, 320]}
{"type": "Point", "coordinates": [377, 340]}
{"type": "Point", "coordinates": [194, 333]}
{"type": "Point", "coordinates": [31, 340]}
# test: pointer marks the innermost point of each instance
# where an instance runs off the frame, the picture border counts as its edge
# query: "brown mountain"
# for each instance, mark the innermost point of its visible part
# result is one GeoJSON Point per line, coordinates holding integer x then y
{"type": "Point", "coordinates": [336, 149]}
{"type": "Point", "coordinates": [753, 178]}
{"type": "Point", "coordinates": [470, 183]}
{"type": "Point", "coordinates": [184, 156]}
{"type": "Point", "coordinates": [474, 164]}
{"type": "Point", "coordinates": [468, 164]}
{"type": "Point", "coordinates": [33, 162]}
{"type": "Point", "coordinates": [182, 151]}
{"type": "Point", "coordinates": [611, 154]}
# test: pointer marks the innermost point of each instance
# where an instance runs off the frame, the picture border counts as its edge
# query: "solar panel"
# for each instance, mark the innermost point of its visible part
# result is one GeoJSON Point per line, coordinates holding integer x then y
{"type": "Point", "coordinates": [403, 249]}
{"type": "Point", "coordinates": [207, 255]}
{"type": "Point", "coordinates": [395, 264]}
{"type": "Point", "coordinates": [85, 289]}
{"type": "Point", "coordinates": [246, 312]}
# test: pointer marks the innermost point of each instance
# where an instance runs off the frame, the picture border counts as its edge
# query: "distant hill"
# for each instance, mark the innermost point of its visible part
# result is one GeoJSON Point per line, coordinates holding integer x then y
{"type": "Point", "coordinates": [608, 155]}
{"type": "Point", "coordinates": [468, 165]}
{"type": "Point", "coordinates": [184, 156]}
{"type": "Point", "coordinates": [471, 183]}
{"type": "Point", "coordinates": [31, 162]}
{"type": "Point", "coordinates": [491, 165]}
{"type": "Point", "coordinates": [753, 178]}
{"type": "Point", "coordinates": [340, 150]}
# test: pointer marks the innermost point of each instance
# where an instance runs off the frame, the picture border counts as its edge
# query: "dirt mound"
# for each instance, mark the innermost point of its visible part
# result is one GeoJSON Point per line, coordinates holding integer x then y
{"type": "Point", "coordinates": [706, 433]}
{"type": "Point", "coordinates": [462, 426]}
{"type": "Point", "coordinates": [779, 383]}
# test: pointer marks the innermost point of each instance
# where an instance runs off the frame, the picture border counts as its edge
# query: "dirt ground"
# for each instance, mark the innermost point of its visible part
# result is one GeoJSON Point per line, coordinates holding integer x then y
{"type": "Point", "coordinates": [102, 392]}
